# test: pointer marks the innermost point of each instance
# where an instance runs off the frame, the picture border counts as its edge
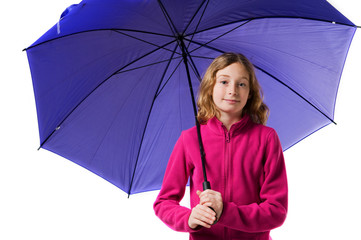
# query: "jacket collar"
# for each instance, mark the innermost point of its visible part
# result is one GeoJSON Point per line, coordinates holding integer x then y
{"type": "Point", "coordinates": [218, 128]}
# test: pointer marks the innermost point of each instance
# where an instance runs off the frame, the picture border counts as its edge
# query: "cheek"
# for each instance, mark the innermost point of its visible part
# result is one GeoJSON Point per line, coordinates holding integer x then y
{"type": "Point", "coordinates": [248, 93]}
{"type": "Point", "coordinates": [249, 99]}
{"type": "Point", "coordinates": [215, 92]}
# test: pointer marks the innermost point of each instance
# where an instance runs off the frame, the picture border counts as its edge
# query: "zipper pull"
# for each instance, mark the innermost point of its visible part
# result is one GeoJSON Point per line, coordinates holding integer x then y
{"type": "Point", "coordinates": [226, 134]}
{"type": "Point", "coordinates": [228, 138]}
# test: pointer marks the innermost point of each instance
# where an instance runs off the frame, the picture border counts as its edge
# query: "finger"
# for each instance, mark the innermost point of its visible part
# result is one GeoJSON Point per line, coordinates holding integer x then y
{"type": "Point", "coordinates": [212, 209]}
{"type": "Point", "coordinates": [211, 199]}
{"type": "Point", "coordinates": [203, 201]}
{"type": "Point", "coordinates": [208, 204]}
{"type": "Point", "coordinates": [202, 223]}
{"type": "Point", "coordinates": [199, 192]}
{"type": "Point", "coordinates": [207, 198]}
{"type": "Point", "coordinates": [205, 219]}
{"type": "Point", "coordinates": [207, 212]}
{"type": "Point", "coordinates": [214, 197]}
{"type": "Point", "coordinates": [204, 213]}
{"type": "Point", "coordinates": [195, 220]}
{"type": "Point", "coordinates": [209, 192]}
{"type": "Point", "coordinates": [204, 193]}
{"type": "Point", "coordinates": [201, 215]}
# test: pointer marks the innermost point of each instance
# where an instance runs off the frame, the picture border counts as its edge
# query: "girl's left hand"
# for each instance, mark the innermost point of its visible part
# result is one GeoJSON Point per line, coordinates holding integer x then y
{"type": "Point", "coordinates": [213, 199]}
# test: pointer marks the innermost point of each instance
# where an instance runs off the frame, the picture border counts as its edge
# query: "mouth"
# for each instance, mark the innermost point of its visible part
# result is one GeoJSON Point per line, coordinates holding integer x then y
{"type": "Point", "coordinates": [231, 100]}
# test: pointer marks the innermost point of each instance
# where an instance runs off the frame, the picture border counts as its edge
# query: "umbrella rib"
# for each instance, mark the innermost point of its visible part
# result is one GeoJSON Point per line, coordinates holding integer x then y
{"type": "Point", "coordinates": [141, 31]}
{"type": "Point", "coordinates": [209, 58]}
{"type": "Point", "coordinates": [195, 14]}
{"type": "Point", "coordinates": [141, 57]}
{"type": "Point", "coordinates": [200, 19]}
{"type": "Point", "coordinates": [169, 20]}
{"type": "Point", "coordinates": [96, 30]}
{"type": "Point", "coordinates": [253, 43]}
{"type": "Point", "coordinates": [206, 46]}
{"type": "Point", "coordinates": [147, 65]}
{"type": "Point", "coordinates": [219, 35]}
{"type": "Point", "coordinates": [160, 90]}
{"type": "Point", "coordinates": [195, 70]}
{"type": "Point", "coordinates": [147, 121]}
{"type": "Point", "coordinates": [166, 35]}
{"type": "Point", "coordinates": [275, 78]}
{"type": "Point", "coordinates": [295, 92]}
{"type": "Point", "coordinates": [142, 40]}
{"type": "Point", "coordinates": [268, 17]}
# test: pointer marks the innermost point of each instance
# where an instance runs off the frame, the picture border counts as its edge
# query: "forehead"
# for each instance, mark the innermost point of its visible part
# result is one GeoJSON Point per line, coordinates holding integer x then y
{"type": "Point", "coordinates": [235, 71]}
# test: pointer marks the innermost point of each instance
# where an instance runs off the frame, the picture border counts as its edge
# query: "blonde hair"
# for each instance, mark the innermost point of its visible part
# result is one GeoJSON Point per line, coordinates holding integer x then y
{"type": "Point", "coordinates": [255, 107]}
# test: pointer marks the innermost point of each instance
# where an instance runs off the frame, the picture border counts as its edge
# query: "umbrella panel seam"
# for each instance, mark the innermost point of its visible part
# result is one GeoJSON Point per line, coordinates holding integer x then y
{"type": "Point", "coordinates": [269, 17]}
{"type": "Point", "coordinates": [146, 124]}
{"type": "Point", "coordinates": [168, 19]}
{"type": "Point", "coordinates": [175, 69]}
{"type": "Point", "coordinates": [147, 65]}
{"type": "Point", "coordinates": [166, 35]}
{"type": "Point", "coordinates": [194, 15]}
{"type": "Point", "coordinates": [80, 102]}
{"type": "Point", "coordinates": [223, 34]}
{"type": "Point", "coordinates": [142, 40]}
{"type": "Point", "coordinates": [97, 30]}
{"type": "Point", "coordinates": [278, 80]}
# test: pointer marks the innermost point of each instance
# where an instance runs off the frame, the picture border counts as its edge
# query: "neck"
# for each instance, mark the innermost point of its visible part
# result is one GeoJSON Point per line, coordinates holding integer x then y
{"type": "Point", "coordinates": [228, 121]}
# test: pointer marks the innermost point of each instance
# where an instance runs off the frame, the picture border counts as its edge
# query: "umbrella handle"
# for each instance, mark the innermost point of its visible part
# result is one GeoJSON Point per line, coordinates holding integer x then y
{"type": "Point", "coordinates": [207, 185]}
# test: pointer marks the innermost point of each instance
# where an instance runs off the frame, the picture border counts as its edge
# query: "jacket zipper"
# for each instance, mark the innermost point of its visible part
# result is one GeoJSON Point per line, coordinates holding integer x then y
{"type": "Point", "coordinates": [226, 171]}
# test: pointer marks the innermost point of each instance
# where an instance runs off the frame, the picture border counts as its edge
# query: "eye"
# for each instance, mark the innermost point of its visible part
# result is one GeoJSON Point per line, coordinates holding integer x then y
{"type": "Point", "coordinates": [242, 84]}
{"type": "Point", "coordinates": [223, 82]}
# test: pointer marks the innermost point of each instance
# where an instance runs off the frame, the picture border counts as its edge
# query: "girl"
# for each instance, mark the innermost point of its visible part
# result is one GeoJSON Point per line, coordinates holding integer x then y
{"type": "Point", "coordinates": [244, 161]}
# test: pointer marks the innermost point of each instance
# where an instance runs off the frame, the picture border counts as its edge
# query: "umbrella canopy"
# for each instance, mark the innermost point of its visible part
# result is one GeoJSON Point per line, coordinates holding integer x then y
{"type": "Point", "coordinates": [111, 85]}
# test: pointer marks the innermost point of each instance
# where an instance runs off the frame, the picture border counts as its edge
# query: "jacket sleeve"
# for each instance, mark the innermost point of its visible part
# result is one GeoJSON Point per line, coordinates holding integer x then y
{"type": "Point", "coordinates": [272, 209]}
{"type": "Point", "coordinates": [167, 206]}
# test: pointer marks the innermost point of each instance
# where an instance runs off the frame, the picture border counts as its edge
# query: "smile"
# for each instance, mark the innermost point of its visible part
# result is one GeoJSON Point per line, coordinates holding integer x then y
{"type": "Point", "coordinates": [231, 101]}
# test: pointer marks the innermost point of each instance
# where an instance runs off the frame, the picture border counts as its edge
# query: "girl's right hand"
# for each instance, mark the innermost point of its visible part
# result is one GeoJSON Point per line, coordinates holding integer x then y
{"type": "Point", "coordinates": [201, 216]}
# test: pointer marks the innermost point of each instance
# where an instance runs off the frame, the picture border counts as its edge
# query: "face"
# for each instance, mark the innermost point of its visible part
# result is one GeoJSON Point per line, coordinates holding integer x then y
{"type": "Point", "coordinates": [231, 91]}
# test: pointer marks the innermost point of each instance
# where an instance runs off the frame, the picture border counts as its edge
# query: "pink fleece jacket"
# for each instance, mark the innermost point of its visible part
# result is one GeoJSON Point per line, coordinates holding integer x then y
{"type": "Point", "coordinates": [244, 164]}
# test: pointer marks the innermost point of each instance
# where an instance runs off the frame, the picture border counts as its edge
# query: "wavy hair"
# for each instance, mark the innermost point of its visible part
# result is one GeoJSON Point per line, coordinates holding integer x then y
{"type": "Point", "coordinates": [255, 107]}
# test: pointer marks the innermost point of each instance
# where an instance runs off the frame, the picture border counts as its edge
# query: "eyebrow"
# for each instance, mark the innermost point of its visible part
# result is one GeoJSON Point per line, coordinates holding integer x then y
{"type": "Point", "coordinates": [225, 75]}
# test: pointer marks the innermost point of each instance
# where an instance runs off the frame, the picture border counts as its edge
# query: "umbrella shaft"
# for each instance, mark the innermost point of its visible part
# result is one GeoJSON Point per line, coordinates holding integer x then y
{"type": "Point", "coordinates": [206, 184]}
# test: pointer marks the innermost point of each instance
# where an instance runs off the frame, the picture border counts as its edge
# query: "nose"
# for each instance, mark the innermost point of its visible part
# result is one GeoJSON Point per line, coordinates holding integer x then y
{"type": "Point", "coordinates": [232, 90]}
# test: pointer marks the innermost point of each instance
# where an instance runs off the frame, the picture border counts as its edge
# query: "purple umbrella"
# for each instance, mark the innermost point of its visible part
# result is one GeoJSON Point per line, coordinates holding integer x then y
{"type": "Point", "coordinates": [114, 81]}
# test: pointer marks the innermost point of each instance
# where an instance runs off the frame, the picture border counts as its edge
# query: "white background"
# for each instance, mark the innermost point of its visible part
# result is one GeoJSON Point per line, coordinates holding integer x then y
{"type": "Point", "coordinates": [43, 196]}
